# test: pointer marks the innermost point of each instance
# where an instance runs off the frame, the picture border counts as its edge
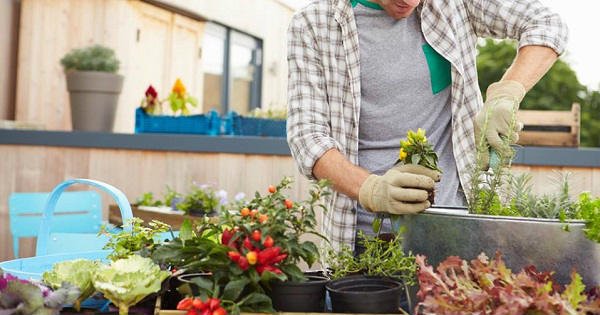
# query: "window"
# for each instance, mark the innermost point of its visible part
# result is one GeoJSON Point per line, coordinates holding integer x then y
{"type": "Point", "coordinates": [232, 63]}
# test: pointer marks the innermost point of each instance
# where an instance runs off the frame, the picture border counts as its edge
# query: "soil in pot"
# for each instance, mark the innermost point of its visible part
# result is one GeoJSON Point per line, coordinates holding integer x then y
{"type": "Point", "coordinates": [305, 297]}
{"type": "Point", "coordinates": [362, 294]}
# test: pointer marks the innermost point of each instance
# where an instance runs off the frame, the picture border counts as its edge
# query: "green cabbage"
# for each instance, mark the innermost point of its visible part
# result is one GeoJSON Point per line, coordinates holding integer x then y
{"type": "Point", "coordinates": [77, 272]}
{"type": "Point", "coordinates": [127, 281]}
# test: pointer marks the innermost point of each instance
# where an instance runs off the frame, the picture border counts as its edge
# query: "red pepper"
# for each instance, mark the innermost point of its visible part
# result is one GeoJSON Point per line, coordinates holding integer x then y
{"type": "Point", "coordinates": [256, 235]}
{"type": "Point", "coordinates": [268, 242]}
{"type": "Point", "coordinates": [243, 263]}
{"type": "Point", "coordinates": [234, 256]}
{"type": "Point", "coordinates": [262, 268]}
{"type": "Point", "coordinates": [248, 244]}
{"type": "Point", "coordinates": [220, 311]}
{"type": "Point", "coordinates": [288, 203]}
{"type": "Point", "coordinates": [206, 311]}
{"type": "Point", "coordinates": [279, 258]}
{"type": "Point", "coordinates": [193, 311]}
{"type": "Point", "coordinates": [226, 237]}
{"type": "Point", "coordinates": [213, 303]}
{"type": "Point", "coordinates": [266, 256]}
{"type": "Point", "coordinates": [198, 304]}
{"type": "Point", "coordinates": [185, 304]}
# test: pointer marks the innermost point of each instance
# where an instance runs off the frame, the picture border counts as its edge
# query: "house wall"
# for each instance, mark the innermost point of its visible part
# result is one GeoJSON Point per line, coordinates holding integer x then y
{"type": "Point", "coordinates": [154, 45]}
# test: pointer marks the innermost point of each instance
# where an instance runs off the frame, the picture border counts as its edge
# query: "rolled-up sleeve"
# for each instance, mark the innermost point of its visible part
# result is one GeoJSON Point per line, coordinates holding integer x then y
{"type": "Point", "coordinates": [528, 21]}
{"type": "Point", "coordinates": [308, 121]}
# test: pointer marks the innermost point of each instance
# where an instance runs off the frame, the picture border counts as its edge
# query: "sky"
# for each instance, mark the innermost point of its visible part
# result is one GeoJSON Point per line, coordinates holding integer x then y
{"type": "Point", "coordinates": [583, 51]}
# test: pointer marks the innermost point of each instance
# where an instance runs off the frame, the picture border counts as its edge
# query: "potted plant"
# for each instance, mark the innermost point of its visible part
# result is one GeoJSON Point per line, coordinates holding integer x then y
{"type": "Point", "coordinates": [504, 215]}
{"type": "Point", "coordinates": [488, 286]}
{"type": "Point", "coordinates": [265, 238]}
{"type": "Point", "coordinates": [373, 281]}
{"type": "Point", "coordinates": [151, 117]}
{"type": "Point", "coordinates": [269, 122]}
{"type": "Point", "coordinates": [94, 87]}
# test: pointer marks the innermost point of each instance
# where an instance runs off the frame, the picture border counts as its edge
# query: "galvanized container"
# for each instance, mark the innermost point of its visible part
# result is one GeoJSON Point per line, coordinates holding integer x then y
{"type": "Point", "coordinates": [442, 232]}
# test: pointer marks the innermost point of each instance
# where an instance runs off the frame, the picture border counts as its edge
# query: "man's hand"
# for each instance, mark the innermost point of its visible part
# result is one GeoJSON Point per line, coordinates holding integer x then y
{"type": "Point", "coordinates": [401, 190]}
{"type": "Point", "coordinates": [495, 120]}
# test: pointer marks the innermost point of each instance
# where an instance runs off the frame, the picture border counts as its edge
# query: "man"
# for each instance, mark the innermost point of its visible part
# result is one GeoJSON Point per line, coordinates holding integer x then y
{"type": "Point", "coordinates": [362, 73]}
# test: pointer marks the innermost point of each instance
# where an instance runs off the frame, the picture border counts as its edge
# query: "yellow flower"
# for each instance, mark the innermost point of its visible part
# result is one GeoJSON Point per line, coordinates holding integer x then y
{"type": "Point", "coordinates": [420, 134]}
{"type": "Point", "coordinates": [403, 154]}
{"type": "Point", "coordinates": [179, 88]}
{"type": "Point", "coordinates": [404, 143]}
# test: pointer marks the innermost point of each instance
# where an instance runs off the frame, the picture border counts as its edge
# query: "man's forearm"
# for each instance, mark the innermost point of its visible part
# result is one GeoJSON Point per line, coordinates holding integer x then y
{"type": "Point", "coordinates": [345, 176]}
{"type": "Point", "coordinates": [530, 65]}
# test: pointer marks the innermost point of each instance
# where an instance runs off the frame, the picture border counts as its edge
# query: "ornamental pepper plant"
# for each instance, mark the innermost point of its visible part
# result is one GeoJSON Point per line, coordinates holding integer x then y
{"type": "Point", "coordinates": [264, 234]}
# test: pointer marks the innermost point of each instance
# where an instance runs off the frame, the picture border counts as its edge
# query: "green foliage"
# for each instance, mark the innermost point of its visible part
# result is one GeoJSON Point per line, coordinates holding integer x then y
{"type": "Point", "coordinates": [381, 258]}
{"type": "Point", "coordinates": [200, 199]}
{"type": "Point", "coordinates": [195, 250]}
{"type": "Point", "coordinates": [557, 90]}
{"type": "Point", "coordinates": [93, 58]}
{"type": "Point", "coordinates": [140, 240]}
{"type": "Point", "coordinates": [147, 199]}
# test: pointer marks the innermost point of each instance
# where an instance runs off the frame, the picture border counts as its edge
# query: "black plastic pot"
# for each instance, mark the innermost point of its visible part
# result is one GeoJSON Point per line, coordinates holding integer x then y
{"type": "Point", "coordinates": [362, 294]}
{"type": "Point", "coordinates": [304, 297]}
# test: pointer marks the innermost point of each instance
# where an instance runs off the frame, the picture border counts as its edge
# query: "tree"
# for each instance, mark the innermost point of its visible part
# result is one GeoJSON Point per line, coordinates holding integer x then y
{"type": "Point", "coordinates": [557, 90]}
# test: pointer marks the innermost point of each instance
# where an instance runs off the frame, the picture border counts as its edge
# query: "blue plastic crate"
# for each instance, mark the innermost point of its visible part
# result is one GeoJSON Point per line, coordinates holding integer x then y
{"type": "Point", "coordinates": [250, 126]}
{"type": "Point", "coordinates": [205, 124]}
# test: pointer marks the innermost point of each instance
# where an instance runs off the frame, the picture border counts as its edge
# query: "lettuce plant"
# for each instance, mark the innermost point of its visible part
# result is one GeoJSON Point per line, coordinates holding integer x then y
{"type": "Point", "coordinates": [486, 286]}
{"type": "Point", "coordinates": [76, 272]}
{"type": "Point", "coordinates": [127, 281]}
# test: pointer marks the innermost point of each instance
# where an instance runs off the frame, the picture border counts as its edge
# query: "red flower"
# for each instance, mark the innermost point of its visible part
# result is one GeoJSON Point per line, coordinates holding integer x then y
{"type": "Point", "coordinates": [151, 93]}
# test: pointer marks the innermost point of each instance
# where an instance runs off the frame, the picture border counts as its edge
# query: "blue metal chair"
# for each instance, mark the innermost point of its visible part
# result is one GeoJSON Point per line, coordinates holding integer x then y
{"type": "Point", "coordinates": [76, 212]}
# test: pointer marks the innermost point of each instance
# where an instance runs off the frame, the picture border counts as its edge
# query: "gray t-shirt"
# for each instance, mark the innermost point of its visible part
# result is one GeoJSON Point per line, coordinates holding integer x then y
{"type": "Point", "coordinates": [405, 85]}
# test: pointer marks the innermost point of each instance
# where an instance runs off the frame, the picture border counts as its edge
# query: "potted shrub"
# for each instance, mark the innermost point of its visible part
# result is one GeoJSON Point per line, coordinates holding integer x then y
{"type": "Point", "coordinates": [373, 281]}
{"type": "Point", "coordinates": [488, 286]}
{"type": "Point", "coordinates": [94, 87]}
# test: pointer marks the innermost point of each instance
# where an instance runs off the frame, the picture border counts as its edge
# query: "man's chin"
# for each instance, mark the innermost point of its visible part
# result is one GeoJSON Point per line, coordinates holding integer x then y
{"type": "Point", "coordinates": [400, 14]}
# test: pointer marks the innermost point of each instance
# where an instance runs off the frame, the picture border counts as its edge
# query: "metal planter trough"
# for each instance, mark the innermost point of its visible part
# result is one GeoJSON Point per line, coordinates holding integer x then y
{"type": "Point", "coordinates": [442, 232]}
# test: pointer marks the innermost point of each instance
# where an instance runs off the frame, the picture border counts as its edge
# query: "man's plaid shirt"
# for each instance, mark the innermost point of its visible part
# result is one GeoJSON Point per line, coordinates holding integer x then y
{"type": "Point", "coordinates": [324, 78]}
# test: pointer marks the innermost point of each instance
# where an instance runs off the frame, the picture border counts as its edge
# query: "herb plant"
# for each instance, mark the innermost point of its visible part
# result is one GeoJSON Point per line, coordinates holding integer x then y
{"type": "Point", "coordinates": [140, 240]}
{"type": "Point", "coordinates": [201, 199]}
{"type": "Point", "coordinates": [380, 258]}
{"type": "Point", "coordinates": [93, 58]}
{"type": "Point", "coordinates": [486, 286]}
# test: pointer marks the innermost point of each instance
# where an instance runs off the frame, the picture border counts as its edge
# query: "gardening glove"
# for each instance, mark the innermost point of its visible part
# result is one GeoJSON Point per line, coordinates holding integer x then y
{"type": "Point", "coordinates": [397, 191]}
{"type": "Point", "coordinates": [496, 120]}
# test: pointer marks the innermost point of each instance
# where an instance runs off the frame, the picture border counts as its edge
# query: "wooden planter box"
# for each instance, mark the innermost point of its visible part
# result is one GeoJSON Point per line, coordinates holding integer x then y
{"type": "Point", "coordinates": [172, 218]}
